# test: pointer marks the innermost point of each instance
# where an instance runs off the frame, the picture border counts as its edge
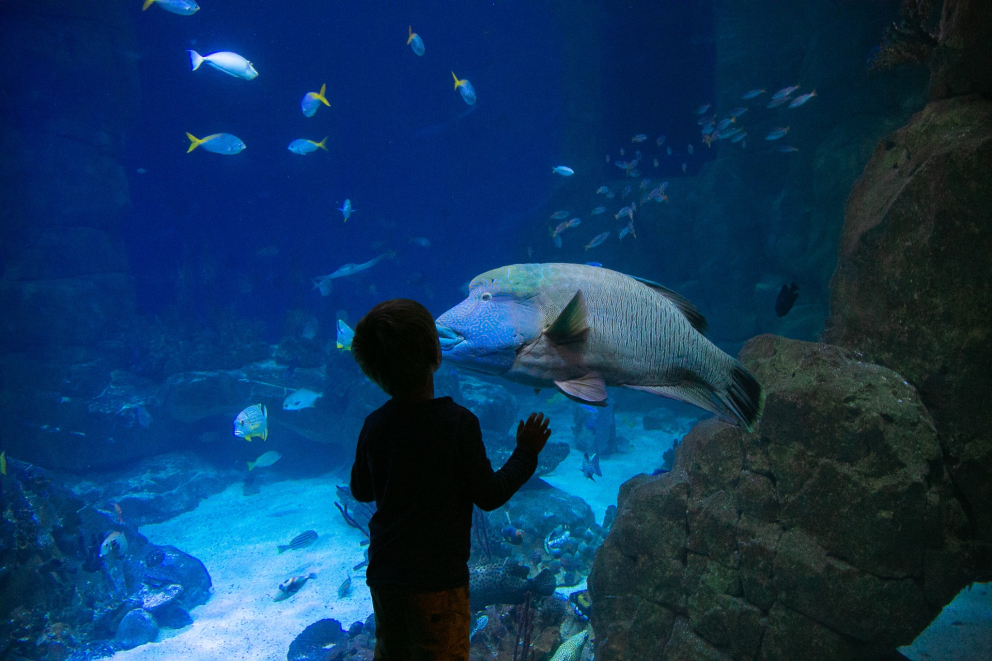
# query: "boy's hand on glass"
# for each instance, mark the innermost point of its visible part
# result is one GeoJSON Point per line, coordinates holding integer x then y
{"type": "Point", "coordinates": [534, 433]}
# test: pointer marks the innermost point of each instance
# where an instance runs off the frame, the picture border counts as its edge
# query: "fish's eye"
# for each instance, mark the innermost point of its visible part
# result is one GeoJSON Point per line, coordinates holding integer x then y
{"type": "Point", "coordinates": [487, 296]}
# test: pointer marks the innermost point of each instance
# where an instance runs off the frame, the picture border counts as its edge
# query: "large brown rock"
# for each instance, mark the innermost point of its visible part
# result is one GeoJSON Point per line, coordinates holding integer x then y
{"type": "Point", "coordinates": [912, 289]}
{"type": "Point", "coordinates": [832, 531]}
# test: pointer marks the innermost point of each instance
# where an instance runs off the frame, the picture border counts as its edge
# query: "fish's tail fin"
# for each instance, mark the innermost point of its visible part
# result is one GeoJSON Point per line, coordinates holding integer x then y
{"type": "Point", "coordinates": [251, 466]}
{"type": "Point", "coordinates": [148, 3]}
{"type": "Point", "coordinates": [744, 397]}
{"type": "Point", "coordinates": [194, 142]}
{"type": "Point", "coordinates": [195, 59]}
{"type": "Point", "coordinates": [313, 575]}
{"type": "Point", "coordinates": [545, 583]}
{"type": "Point", "coordinates": [323, 143]}
{"type": "Point", "coordinates": [459, 83]}
{"type": "Point", "coordinates": [321, 97]}
{"type": "Point", "coordinates": [283, 548]}
{"type": "Point", "coordinates": [409, 30]}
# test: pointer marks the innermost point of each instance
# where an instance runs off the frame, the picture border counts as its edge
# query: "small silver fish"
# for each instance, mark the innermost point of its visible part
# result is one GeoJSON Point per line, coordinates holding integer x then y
{"type": "Point", "coordinates": [775, 134]}
{"type": "Point", "coordinates": [563, 170]}
{"type": "Point", "coordinates": [784, 92]}
{"type": "Point", "coordinates": [800, 100]}
{"type": "Point", "coordinates": [230, 63]}
{"type": "Point", "coordinates": [640, 137]}
{"type": "Point", "coordinates": [598, 210]}
{"type": "Point", "coordinates": [264, 461]}
{"type": "Point", "coordinates": [752, 94]}
{"type": "Point", "coordinates": [774, 103]}
{"type": "Point", "coordinates": [703, 108]}
{"type": "Point", "coordinates": [346, 210]}
{"type": "Point", "coordinates": [597, 240]}
{"type": "Point", "coordinates": [559, 215]}
{"type": "Point", "coordinates": [301, 399]}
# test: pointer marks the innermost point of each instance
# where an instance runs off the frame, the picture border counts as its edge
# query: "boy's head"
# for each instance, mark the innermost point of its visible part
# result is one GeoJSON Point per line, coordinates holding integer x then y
{"type": "Point", "coordinates": [396, 346]}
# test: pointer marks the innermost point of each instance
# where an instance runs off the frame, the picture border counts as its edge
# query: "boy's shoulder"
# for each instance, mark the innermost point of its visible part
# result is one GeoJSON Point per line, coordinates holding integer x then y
{"type": "Point", "coordinates": [443, 408]}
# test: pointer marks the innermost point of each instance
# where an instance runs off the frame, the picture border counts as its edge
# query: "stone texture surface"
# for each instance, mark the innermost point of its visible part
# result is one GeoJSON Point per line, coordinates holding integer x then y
{"type": "Point", "coordinates": [832, 531]}
{"type": "Point", "coordinates": [963, 60]}
{"type": "Point", "coordinates": [912, 289]}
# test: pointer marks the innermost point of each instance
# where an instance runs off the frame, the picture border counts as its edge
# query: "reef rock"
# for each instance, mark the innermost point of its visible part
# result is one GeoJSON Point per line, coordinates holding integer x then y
{"type": "Point", "coordinates": [912, 289]}
{"type": "Point", "coordinates": [832, 531]}
{"type": "Point", "coordinates": [494, 405]}
{"type": "Point", "coordinates": [137, 628]}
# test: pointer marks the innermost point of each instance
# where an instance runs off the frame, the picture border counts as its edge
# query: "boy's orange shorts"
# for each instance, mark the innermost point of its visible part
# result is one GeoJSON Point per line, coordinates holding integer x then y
{"type": "Point", "coordinates": [421, 626]}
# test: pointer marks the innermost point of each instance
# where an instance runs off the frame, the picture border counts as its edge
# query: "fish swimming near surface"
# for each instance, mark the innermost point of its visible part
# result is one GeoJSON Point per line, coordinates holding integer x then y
{"type": "Point", "coordinates": [563, 170]}
{"type": "Point", "coordinates": [218, 143]}
{"type": "Point", "coordinates": [582, 328]}
{"type": "Point", "coordinates": [344, 590]}
{"type": "Point", "coordinates": [181, 7]}
{"type": "Point", "coordinates": [301, 399]}
{"type": "Point", "coordinates": [265, 460]}
{"type": "Point", "coordinates": [346, 210]}
{"type": "Point", "coordinates": [506, 583]}
{"type": "Point", "coordinates": [312, 100]}
{"type": "Point", "coordinates": [252, 422]}
{"type": "Point", "coordinates": [304, 146]}
{"type": "Point", "coordinates": [465, 89]}
{"type": "Point", "coordinates": [323, 282]}
{"type": "Point", "coordinates": [230, 63]}
{"type": "Point", "coordinates": [786, 299]}
{"type": "Point", "coordinates": [344, 337]}
{"type": "Point", "coordinates": [302, 540]}
{"type": "Point", "coordinates": [291, 586]}
{"type": "Point", "coordinates": [414, 41]}
{"type": "Point", "coordinates": [114, 545]}
{"type": "Point", "coordinates": [571, 649]}
{"type": "Point", "coordinates": [590, 467]}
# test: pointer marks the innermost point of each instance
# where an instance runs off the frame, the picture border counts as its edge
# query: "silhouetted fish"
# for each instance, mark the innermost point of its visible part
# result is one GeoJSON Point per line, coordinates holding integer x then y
{"type": "Point", "coordinates": [786, 299]}
{"type": "Point", "coordinates": [303, 539]}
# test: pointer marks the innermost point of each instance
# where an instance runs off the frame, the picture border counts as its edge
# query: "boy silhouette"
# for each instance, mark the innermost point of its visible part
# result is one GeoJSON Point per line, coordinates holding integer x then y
{"type": "Point", "coordinates": [422, 461]}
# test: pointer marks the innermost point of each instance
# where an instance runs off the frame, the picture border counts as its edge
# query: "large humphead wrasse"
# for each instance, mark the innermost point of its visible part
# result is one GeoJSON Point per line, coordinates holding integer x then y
{"type": "Point", "coordinates": [582, 328]}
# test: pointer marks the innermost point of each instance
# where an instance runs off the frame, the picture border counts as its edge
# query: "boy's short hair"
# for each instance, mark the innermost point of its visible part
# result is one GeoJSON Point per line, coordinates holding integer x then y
{"type": "Point", "coordinates": [396, 345]}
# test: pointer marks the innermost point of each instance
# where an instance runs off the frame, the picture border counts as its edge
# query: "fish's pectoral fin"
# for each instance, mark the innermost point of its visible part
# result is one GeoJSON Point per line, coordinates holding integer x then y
{"type": "Point", "coordinates": [588, 389]}
{"type": "Point", "coordinates": [571, 325]}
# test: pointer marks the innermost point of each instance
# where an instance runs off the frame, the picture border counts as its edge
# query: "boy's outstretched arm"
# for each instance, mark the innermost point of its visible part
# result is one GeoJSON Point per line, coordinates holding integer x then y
{"type": "Point", "coordinates": [361, 476]}
{"type": "Point", "coordinates": [491, 489]}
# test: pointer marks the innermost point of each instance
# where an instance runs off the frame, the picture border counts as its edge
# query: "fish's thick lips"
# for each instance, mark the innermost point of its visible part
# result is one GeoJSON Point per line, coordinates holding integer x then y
{"type": "Point", "coordinates": [448, 338]}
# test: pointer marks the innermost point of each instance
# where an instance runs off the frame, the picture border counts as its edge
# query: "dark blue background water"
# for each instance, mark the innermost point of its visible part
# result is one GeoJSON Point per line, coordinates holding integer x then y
{"type": "Point", "coordinates": [414, 159]}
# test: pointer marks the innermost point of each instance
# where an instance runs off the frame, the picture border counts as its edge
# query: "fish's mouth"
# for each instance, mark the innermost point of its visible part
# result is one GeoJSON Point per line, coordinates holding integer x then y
{"type": "Point", "coordinates": [448, 338]}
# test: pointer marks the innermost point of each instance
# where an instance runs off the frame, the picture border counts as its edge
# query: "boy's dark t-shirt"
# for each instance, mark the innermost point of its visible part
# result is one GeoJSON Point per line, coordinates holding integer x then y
{"type": "Point", "coordinates": [424, 464]}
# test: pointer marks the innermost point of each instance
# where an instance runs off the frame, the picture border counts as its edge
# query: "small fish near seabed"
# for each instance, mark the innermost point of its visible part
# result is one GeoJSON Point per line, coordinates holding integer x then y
{"type": "Point", "coordinates": [344, 590]}
{"type": "Point", "coordinates": [218, 143]}
{"type": "Point", "coordinates": [114, 546]}
{"type": "Point", "coordinates": [304, 146]}
{"type": "Point", "coordinates": [506, 583]}
{"type": "Point", "coordinates": [590, 467]}
{"type": "Point", "coordinates": [253, 422]}
{"type": "Point", "coordinates": [181, 7]}
{"type": "Point", "coordinates": [786, 299]}
{"type": "Point", "coordinates": [291, 586]}
{"type": "Point", "coordinates": [512, 535]}
{"type": "Point", "coordinates": [312, 100]}
{"type": "Point", "coordinates": [563, 170]}
{"type": "Point", "coordinates": [346, 210]}
{"type": "Point", "coordinates": [414, 41]}
{"type": "Point", "coordinates": [264, 461]}
{"type": "Point", "coordinates": [344, 337]}
{"type": "Point", "coordinates": [302, 540]}
{"type": "Point", "coordinates": [230, 63]}
{"type": "Point", "coordinates": [301, 399]}
{"type": "Point", "coordinates": [478, 624]}
{"type": "Point", "coordinates": [465, 89]}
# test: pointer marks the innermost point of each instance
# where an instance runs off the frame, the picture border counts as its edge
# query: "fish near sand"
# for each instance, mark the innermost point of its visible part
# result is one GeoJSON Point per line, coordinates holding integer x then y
{"type": "Point", "coordinates": [302, 540]}
{"type": "Point", "coordinates": [786, 299]}
{"type": "Point", "coordinates": [265, 460]}
{"type": "Point", "coordinates": [230, 63]}
{"type": "Point", "coordinates": [582, 328]}
{"type": "Point", "coordinates": [291, 586]}
{"type": "Point", "coordinates": [114, 545]}
{"type": "Point", "coordinates": [218, 143]}
{"type": "Point", "coordinates": [506, 583]}
{"type": "Point", "coordinates": [590, 467]}
{"type": "Point", "coordinates": [181, 7]}
{"type": "Point", "coordinates": [253, 422]}
{"type": "Point", "coordinates": [344, 590]}
{"type": "Point", "coordinates": [301, 399]}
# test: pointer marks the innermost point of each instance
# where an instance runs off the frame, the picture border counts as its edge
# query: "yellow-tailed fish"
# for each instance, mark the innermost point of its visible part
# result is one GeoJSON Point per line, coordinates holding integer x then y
{"type": "Point", "coordinates": [303, 146]}
{"type": "Point", "coordinates": [218, 143]}
{"type": "Point", "coordinates": [181, 7]}
{"type": "Point", "coordinates": [312, 100]}
{"type": "Point", "coordinates": [252, 422]}
{"type": "Point", "coordinates": [345, 336]}
{"type": "Point", "coordinates": [414, 41]}
{"type": "Point", "coordinates": [264, 461]}
{"type": "Point", "coordinates": [465, 88]}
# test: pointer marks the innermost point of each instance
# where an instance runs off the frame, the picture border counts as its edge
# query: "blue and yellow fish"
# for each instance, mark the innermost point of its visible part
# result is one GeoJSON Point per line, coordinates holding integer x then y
{"type": "Point", "coordinates": [252, 422]}
{"type": "Point", "coordinates": [345, 336]}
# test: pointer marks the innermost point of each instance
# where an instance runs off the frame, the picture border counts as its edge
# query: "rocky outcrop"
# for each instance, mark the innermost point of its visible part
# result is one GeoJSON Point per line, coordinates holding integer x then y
{"type": "Point", "coordinates": [963, 60]}
{"type": "Point", "coordinates": [912, 289]}
{"type": "Point", "coordinates": [832, 531]}
{"type": "Point", "coordinates": [65, 291]}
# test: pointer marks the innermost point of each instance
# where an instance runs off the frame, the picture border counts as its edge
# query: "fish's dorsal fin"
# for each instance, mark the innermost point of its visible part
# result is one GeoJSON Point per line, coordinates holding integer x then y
{"type": "Point", "coordinates": [688, 310]}
{"type": "Point", "coordinates": [588, 389]}
{"type": "Point", "coordinates": [570, 325]}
